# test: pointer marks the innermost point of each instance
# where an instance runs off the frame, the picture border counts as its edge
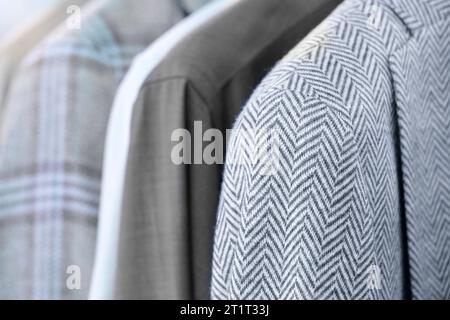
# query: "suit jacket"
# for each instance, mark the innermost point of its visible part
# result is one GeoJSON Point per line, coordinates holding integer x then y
{"type": "Point", "coordinates": [358, 203]}
{"type": "Point", "coordinates": [52, 142]}
{"type": "Point", "coordinates": [165, 247]}
{"type": "Point", "coordinates": [117, 144]}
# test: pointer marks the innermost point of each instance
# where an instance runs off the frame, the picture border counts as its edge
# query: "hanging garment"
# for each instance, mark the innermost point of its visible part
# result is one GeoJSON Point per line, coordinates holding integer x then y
{"type": "Point", "coordinates": [117, 144]}
{"type": "Point", "coordinates": [190, 6]}
{"type": "Point", "coordinates": [52, 142]}
{"type": "Point", "coordinates": [166, 226]}
{"type": "Point", "coordinates": [22, 41]}
{"type": "Point", "coordinates": [355, 119]}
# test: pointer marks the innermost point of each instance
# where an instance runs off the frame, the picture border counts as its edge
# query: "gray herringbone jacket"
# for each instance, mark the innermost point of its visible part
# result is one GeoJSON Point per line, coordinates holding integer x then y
{"type": "Point", "coordinates": [356, 122]}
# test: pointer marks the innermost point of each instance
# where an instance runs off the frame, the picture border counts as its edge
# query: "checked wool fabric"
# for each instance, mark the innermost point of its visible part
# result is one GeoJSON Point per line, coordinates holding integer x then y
{"type": "Point", "coordinates": [22, 40]}
{"type": "Point", "coordinates": [359, 204]}
{"type": "Point", "coordinates": [51, 145]}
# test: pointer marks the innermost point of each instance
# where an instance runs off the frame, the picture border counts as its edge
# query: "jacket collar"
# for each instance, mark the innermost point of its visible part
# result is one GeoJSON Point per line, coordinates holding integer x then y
{"type": "Point", "coordinates": [416, 14]}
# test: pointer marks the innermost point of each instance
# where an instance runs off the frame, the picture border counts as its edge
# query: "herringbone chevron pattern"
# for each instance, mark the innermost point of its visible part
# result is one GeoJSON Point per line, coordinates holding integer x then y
{"type": "Point", "coordinates": [327, 223]}
{"type": "Point", "coordinates": [423, 90]}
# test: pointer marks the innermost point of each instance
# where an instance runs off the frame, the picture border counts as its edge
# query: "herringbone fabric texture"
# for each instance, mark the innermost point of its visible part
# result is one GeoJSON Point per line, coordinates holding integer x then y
{"type": "Point", "coordinates": [421, 71]}
{"type": "Point", "coordinates": [51, 145]}
{"type": "Point", "coordinates": [358, 113]}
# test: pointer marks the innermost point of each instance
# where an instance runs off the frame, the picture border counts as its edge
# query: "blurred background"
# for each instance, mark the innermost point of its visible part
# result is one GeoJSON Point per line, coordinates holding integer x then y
{"type": "Point", "coordinates": [18, 12]}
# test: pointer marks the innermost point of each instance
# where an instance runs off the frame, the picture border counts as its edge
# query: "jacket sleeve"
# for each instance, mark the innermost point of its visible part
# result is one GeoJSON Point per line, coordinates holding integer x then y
{"type": "Point", "coordinates": [292, 220]}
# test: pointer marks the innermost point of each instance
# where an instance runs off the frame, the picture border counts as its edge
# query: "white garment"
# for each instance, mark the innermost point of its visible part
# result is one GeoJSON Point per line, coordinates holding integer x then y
{"type": "Point", "coordinates": [117, 145]}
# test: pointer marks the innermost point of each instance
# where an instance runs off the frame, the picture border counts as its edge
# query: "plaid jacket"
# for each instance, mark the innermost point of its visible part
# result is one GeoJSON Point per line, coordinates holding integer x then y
{"type": "Point", "coordinates": [21, 41]}
{"type": "Point", "coordinates": [358, 205]}
{"type": "Point", "coordinates": [51, 146]}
